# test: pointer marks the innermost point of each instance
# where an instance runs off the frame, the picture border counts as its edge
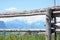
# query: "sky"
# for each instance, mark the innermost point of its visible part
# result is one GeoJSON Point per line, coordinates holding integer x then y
{"type": "Point", "coordinates": [15, 5]}
{"type": "Point", "coordinates": [9, 5]}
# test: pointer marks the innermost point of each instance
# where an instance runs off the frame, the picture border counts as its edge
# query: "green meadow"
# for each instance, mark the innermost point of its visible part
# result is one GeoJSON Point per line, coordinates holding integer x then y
{"type": "Point", "coordinates": [22, 37]}
{"type": "Point", "coordinates": [25, 37]}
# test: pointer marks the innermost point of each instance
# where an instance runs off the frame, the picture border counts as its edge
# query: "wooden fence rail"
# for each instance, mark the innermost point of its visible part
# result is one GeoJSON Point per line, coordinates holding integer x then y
{"type": "Point", "coordinates": [22, 30]}
{"type": "Point", "coordinates": [25, 30]}
{"type": "Point", "coordinates": [56, 10]}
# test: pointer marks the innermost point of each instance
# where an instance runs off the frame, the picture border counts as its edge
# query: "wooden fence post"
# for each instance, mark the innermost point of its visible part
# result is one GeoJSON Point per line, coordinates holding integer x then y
{"type": "Point", "coordinates": [4, 35]}
{"type": "Point", "coordinates": [55, 29]}
{"type": "Point", "coordinates": [48, 24]}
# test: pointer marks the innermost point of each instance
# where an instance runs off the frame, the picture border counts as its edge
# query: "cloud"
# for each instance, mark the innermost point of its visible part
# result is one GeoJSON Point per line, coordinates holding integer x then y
{"type": "Point", "coordinates": [28, 19]}
{"type": "Point", "coordinates": [33, 19]}
{"type": "Point", "coordinates": [11, 9]}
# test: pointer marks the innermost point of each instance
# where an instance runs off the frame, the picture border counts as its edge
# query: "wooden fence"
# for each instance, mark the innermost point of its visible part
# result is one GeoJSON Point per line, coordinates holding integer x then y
{"type": "Point", "coordinates": [51, 14]}
{"type": "Point", "coordinates": [25, 30]}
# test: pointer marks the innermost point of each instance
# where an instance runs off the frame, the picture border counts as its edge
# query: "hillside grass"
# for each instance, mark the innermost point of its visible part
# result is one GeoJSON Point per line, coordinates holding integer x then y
{"type": "Point", "coordinates": [25, 37]}
{"type": "Point", "coordinates": [22, 37]}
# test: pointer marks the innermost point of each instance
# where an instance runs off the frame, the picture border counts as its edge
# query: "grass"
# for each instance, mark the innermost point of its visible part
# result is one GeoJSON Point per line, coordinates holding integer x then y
{"type": "Point", "coordinates": [22, 37]}
{"type": "Point", "coordinates": [25, 37]}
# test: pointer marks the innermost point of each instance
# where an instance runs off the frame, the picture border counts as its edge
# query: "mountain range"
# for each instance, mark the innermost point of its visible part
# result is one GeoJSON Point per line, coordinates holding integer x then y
{"type": "Point", "coordinates": [22, 24]}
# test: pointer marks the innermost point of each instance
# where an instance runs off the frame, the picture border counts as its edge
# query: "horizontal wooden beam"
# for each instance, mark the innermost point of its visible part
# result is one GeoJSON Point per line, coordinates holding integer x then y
{"type": "Point", "coordinates": [30, 13]}
{"type": "Point", "coordinates": [57, 25]}
{"type": "Point", "coordinates": [57, 14]}
{"type": "Point", "coordinates": [25, 30]}
{"type": "Point", "coordinates": [57, 30]}
{"type": "Point", "coordinates": [22, 30]}
{"type": "Point", "coordinates": [19, 14]}
{"type": "Point", "coordinates": [22, 13]}
{"type": "Point", "coordinates": [56, 8]}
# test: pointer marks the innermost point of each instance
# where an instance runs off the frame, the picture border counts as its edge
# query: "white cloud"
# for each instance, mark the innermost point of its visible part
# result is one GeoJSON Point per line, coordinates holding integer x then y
{"type": "Point", "coordinates": [11, 9]}
{"type": "Point", "coordinates": [28, 19]}
{"type": "Point", "coordinates": [33, 19]}
{"type": "Point", "coordinates": [6, 19]}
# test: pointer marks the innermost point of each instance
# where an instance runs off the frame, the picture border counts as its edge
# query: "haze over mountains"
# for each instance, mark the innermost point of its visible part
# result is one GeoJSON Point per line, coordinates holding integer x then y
{"type": "Point", "coordinates": [22, 24]}
{"type": "Point", "coordinates": [2, 24]}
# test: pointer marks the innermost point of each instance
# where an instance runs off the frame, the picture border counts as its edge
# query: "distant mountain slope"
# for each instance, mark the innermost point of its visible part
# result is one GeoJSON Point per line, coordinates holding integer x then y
{"type": "Point", "coordinates": [23, 24]}
{"type": "Point", "coordinates": [2, 24]}
{"type": "Point", "coordinates": [38, 25]}
{"type": "Point", "coordinates": [17, 24]}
